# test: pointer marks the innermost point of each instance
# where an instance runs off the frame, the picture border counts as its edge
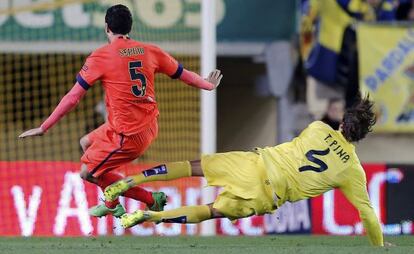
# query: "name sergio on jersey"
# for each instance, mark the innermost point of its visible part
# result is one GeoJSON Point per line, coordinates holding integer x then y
{"type": "Point", "coordinates": [335, 147]}
{"type": "Point", "coordinates": [135, 51]}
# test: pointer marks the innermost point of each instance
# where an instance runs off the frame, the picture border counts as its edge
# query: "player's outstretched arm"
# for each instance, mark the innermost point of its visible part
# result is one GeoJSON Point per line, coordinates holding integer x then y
{"type": "Point", "coordinates": [170, 66]}
{"type": "Point", "coordinates": [355, 191]}
{"type": "Point", "coordinates": [68, 102]}
{"type": "Point", "coordinates": [371, 224]}
{"type": "Point", "coordinates": [193, 79]}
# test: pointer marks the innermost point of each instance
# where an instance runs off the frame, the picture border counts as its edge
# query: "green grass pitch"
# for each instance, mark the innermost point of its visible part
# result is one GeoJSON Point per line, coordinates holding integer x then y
{"type": "Point", "coordinates": [219, 245]}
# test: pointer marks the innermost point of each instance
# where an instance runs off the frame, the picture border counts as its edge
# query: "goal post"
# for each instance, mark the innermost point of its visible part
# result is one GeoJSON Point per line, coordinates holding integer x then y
{"type": "Point", "coordinates": [208, 98]}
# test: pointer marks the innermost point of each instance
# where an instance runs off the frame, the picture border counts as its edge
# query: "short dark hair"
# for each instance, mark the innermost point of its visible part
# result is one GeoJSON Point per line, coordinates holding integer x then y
{"type": "Point", "coordinates": [119, 19]}
{"type": "Point", "coordinates": [358, 119]}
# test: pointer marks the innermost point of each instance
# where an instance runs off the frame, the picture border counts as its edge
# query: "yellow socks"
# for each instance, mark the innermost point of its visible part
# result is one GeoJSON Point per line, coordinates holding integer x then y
{"type": "Point", "coordinates": [185, 214]}
{"type": "Point", "coordinates": [166, 172]}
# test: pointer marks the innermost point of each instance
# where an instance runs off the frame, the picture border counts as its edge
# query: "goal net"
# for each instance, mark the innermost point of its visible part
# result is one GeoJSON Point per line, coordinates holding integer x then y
{"type": "Point", "coordinates": [43, 45]}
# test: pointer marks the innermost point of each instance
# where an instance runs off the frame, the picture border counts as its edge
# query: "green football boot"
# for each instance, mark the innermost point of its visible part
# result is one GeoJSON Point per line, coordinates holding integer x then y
{"type": "Point", "coordinates": [160, 200]}
{"type": "Point", "coordinates": [101, 210]}
{"type": "Point", "coordinates": [131, 219]}
{"type": "Point", "coordinates": [115, 190]}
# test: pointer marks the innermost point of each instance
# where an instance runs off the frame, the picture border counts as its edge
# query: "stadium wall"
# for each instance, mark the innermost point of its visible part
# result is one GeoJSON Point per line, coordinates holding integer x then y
{"type": "Point", "coordinates": [395, 148]}
{"type": "Point", "coordinates": [246, 118]}
{"type": "Point", "coordinates": [49, 199]}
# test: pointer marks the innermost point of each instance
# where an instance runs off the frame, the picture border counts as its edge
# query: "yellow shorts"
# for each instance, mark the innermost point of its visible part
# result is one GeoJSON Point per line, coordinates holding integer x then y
{"type": "Point", "coordinates": [247, 189]}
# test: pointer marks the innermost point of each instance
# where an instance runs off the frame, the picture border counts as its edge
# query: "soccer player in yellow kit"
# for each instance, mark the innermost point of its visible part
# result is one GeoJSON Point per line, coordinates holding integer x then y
{"type": "Point", "coordinates": [258, 182]}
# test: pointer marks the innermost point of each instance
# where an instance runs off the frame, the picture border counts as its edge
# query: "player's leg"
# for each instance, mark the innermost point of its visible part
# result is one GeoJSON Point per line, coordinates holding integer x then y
{"type": "Point", "coordinates": [226, 205]}
{"type": "Point", "coordinates": [85, 143]}
{"type": "Point", "coordinates": [93, 147]}
{"type": "Point", "coordinates": [104, 152]}
{"type": "Point", "coordinates": [127, 148]}
{"type": "Point", "coordinates": [136, 145]}
{"type": "Point", "coordinates": [154, 200]}
{"type": "Point", "coordinates": [113, 207]}
{"type": "Point", "coordinates": [84, 174]}
{"type": "Point", "coordinates": [166, 172]}
{"type": "Point", "coordinates": [183, 215]}
{"type": "Point", "coordinates": [245, 193]}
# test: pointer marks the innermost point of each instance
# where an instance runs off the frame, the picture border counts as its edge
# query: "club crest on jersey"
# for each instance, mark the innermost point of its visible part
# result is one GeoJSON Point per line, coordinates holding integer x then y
{"type": "Point", "coordinates": [159, 170]}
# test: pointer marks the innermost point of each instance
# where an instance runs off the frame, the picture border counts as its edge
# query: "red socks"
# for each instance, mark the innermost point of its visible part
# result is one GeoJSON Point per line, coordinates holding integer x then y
{"type": "Point", "coordinates": [136, 192]}
{"type": "Point", "coordinates": [140, 194]}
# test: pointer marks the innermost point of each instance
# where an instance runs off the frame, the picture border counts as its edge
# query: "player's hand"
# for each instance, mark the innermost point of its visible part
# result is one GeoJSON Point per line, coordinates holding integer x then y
{"type": "Point", "coordinates": [214, 78]}
{"type": "Point", "coordinates": [32, 132]}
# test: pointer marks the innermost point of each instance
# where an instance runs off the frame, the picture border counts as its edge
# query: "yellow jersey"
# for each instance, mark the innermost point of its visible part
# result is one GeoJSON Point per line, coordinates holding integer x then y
{"type": "Point", "coordinates": [318, 160]}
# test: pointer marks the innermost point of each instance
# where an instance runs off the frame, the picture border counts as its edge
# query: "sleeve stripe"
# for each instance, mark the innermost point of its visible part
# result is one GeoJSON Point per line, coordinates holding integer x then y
{"type": "Point", "coordinates": [82, 82]}
{"type": "Point", "coordinates": [178, 73]}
